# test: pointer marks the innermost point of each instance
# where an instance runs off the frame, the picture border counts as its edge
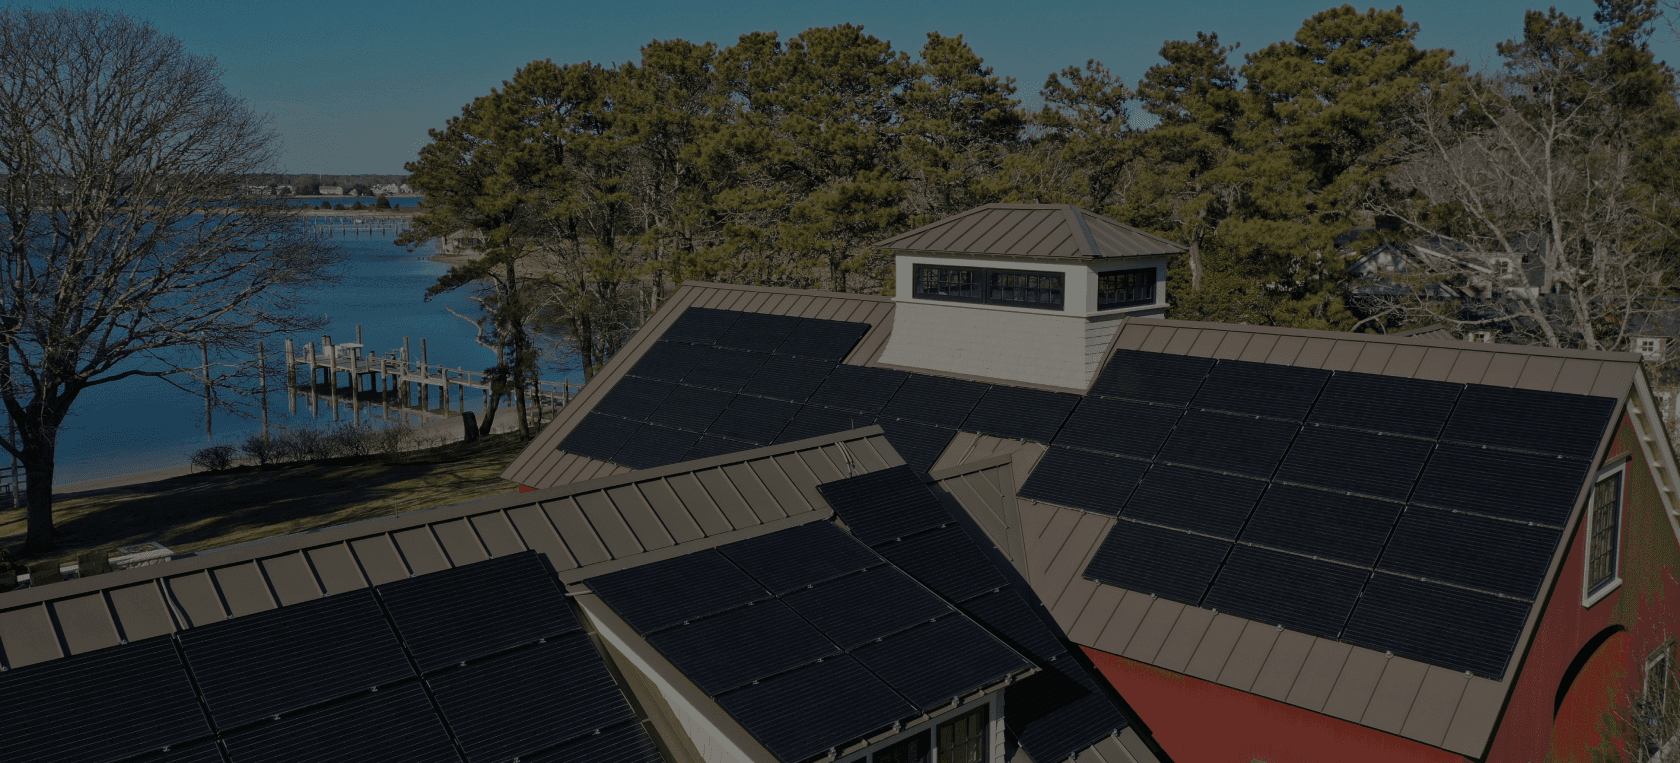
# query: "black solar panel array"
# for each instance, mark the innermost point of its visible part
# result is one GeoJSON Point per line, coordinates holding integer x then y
{"type": "Point", "coordinates": [354, 676]}
{"type": "Point", "coordinates": [1055, 712]}
{"type": "Point", "coordinates": [1281, 494]}
{"type": "Point", "coordinates": [810, 618]}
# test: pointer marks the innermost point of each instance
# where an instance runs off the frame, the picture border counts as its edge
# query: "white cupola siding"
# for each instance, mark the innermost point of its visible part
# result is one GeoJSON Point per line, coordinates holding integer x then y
{"type": "Point", "coordinates": [1027, 292]}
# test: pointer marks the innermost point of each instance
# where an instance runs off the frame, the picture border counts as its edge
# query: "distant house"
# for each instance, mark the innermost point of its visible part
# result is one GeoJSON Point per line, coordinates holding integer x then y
{"type": "Point", "coordinates": [330, 190]}
{"type": "Point", "coordinates": [392, 189]}
{"type": "Point", "coordinates": [258, 190]}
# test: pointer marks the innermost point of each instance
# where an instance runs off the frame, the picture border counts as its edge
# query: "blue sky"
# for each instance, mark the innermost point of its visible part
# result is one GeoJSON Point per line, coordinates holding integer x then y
{"type": "Point", "coordinates": [354, 85]}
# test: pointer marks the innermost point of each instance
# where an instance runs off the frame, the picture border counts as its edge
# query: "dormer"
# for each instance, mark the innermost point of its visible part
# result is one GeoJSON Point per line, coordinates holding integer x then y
{"type": "Point", "coordinates": [1026, 292]}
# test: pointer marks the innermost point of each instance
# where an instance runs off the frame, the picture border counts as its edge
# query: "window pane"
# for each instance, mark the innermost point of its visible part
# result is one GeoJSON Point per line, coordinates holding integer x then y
{"type": "Point", "coordinates": [936, 282]}
{"type": "Point", "coordinates": [1125, 287]}
{"type": "Point", "coordinates": [1027, 289]}
{"type": "Point", "coordinates": [912, 750]}
{"type": "Point", "coordinates": [964, 739]}
{"type": "Point", "coordinates": [1606, 515]}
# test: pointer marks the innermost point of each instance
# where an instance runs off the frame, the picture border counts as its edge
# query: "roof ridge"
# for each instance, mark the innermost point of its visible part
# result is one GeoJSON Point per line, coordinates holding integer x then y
{"type": "Point", "coordinates": [1081, 230]}
{"type": "Point", "coordinates": [1454, 344]}
{"type": "Point", "coordinates": [1133, 228]}
{"type": "Point", "coordinates": [786, 290]}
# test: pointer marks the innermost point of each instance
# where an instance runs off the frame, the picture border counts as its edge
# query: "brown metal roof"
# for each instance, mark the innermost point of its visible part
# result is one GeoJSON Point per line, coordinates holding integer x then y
{"type": "Point", "coordinates": [583, 529]}
{"type": "Point", "coordinates": [541, 464]}
{"type": "Point", "coordinates": [1046, 231]}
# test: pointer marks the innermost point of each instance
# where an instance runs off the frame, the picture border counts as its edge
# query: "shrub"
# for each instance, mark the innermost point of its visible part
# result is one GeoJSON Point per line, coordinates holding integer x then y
{"type": "Point", "coordinates": [262, 448]}
{"type": "Point", "coordinates": [215, 458]}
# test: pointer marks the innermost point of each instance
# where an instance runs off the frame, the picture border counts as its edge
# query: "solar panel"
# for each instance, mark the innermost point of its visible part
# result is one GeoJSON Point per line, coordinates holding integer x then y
{"type": "Point", "coordinates": [725, 370]}
{"type": "Point", "coordinates": [1229, 443]}
{"type": "Point", "coordinates": [1261, 389]}
{"type": "Point", "coordinates": [198, 752]}
{"type": "Point", "coordinates": [286, 659]}
{"type": "Point", "coordinates": [822, 339]}
{"type": "Point", "coordinates": [1080, 480]}
{"type": "Point", "coordinates": [634, 398]}
{"type": "Point", "coordinates": [801, 556]}
{"type": "Point", "coordinates": [816, 708]}
{"type": "Point", "coordinates": [1018, 413]}
{"type": "Point", "coordinates": [1301, 594]}
{"type": "Point", "coordinates": [1478, 552]}
{"type": "Point", "coordinates": [405, 729]}
{"type": "Point", "coordinates": [860, 608]}
{"type": "Point", "coordinates": [947, 561]}
{"type": "Point", "coordinates": [880, 506]}
{"type": "Point", "coordinates": [700, 325]}
{"type": "Point", "coordinates": [758, 332]}
{"type": "Point", "coordinates": [477, 609]}
{"type": "Point", "coordinates": [1121, 427]}
{"type": "Point", "coordinates": [1521, 486]}
{"type": "Point", "coordinates": [1054, 721]}
{"type": "Point", "coordinates": [735, 648]}
{"type": "Point", "coordinates": [155, 708]}
{"type": "Point", "coordinates": [1558, 423]}
{"type": "Point", "coordinates": [1009, 618]}
{"type": "Point", "coordinates": [790, 379]}
{"type": "Point", "coordinates": [706, 447]}
{"type": "Point", "coordinates": [858, 388]}
{"type": "Point", "coordinates": [1191, 499]}
{"type": "Point", "coordinates": [1438, 624]}
{"type": "Point", "coordinates": [1393, 404]}
{"type": "Point", "coordinates": [691, 408]}
{"type": "Point", "coordinates": [529, 699]}
{"type": "Point", "coordinates": [919, 444]}
{"type": "Point", "coordinates": [1156, 560]}
{"type": "Point", "coordinates": [1346, 528]}
{"type": "Point", "coordinates": [1152, 377]}
{"type": "Point", "coordinates": [625, 743]}
{"type": "Point", "coordinates": [815, 421]}
{"type": "Point", "coordinates": [1385, 466]}
{"type": "Point", "coordinates": [654, 445]}
{"type": "Point", "coordinates": [599, 436]}
{"type": "Point", "coordinates": [754, 419]}
{"type": "Point", "coordinates": [933, 663]}
{"type": "Point", "coordinates": [666, 593]}
{"type": "Point", "coordinates": [934, 400]}
{"type": "Point", "coordinates": [668, 361]}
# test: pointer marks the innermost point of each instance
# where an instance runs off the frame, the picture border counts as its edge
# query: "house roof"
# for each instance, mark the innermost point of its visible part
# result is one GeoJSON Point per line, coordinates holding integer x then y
{"type": "Point", "coordinates": [1046, 231]}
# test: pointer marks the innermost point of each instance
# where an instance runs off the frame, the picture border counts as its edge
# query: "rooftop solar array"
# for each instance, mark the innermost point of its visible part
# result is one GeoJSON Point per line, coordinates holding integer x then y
{"type": "Point", "coordinates": [720, 381]}
{"type": "Point", "coordinates": [1054, 713]}
{"type": "Point", "coordinates": [810, 618]}
{"type": "Point", "coordinates": [361, 675]}
{"type": "Point", "coordinates": [1287, 495]}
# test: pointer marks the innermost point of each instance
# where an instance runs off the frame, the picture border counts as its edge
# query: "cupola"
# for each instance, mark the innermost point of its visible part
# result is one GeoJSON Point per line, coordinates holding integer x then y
{"type": "Point", "coordinates": [1025, 292]}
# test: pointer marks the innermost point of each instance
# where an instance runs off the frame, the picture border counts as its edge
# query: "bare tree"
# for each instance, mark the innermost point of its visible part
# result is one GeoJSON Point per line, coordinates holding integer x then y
{"type": "Point", "coordinates": [127, 238]}
{"type": "Point", "coordinates": [1533, 196]}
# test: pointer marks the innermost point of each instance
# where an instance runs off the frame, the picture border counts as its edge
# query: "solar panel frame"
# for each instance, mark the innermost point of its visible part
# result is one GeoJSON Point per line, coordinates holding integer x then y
{"type": "Point", "coordinates": [1393, 404]}
{"type": "Point", "coordinates": [758, 332]}
{"type": "Point", "coordinates": [1438, 624]}
{"type": "Point", "coordinates": [691, 408]}
{"type": "Point", "coordinates": [1011, 619]}
{"type": "Point", "coordinates": [654, 445]}
{"type": "Point", "coordinates": [1152, 377]}
{"type": "Point", "coordinates": [157, 708]}
{"type": "Point", "coordinates": [1347, 528]}
{"type": "Point", "coordinates": [708, 446]}
{"type": "Point", "coordinates": [634, 398]}
{"type": "Point", "coordinates": [838, 701]}
{"type": "Point", "coordinates": [599, 436]}
{"type": "Point", "coordinates": [734, 648]}
{"type": "Point", "coordinates": [392, 725]}
{"type": "Point", "coordinates": [1019, 413]}
{"type": "Point", "coordinates": [1556, 423]}
{"type": "Point", "coordinates": [624, 743]}
{"type": "Point", "coordinates": [857, 609]}
{"type": "Point", "coordinates": [724, 369]}
{"type": "Point", "coordinates": [1195, 500]}
{"type": "Point", "coordinates": [655, 596]}
{"type": "Point", "coordinates": [823, 339]}
{"type": "Point", "coordinates": [935, 662]}
{"type": "Point", "coordinates": [275, 662]}
{"type": "Point", "coordinates": [884, 505]}
{"type": "Point", "coordinates": [918, 444]}
{"type": "Point", "coordinates": [529, 699]}
{"type": "Point", "coordinates": [468, 612]}
{"type": "Point", "coordinates": [1302, 594]}
{"type": "Point", "coordinates": [799, 557]}
{"type": "Point", "coordinates": [788, 378]}
{"type": "Point", "coordinates": [1118, 427]}
{"type": "Point", "coordinates": [1086, 481]}
{"type": "Point", "coordinates": [1260, 389]}
{"type": "Point", "coordinates": [1229, 443]}
{"type": "Point", "coordinates": [1350, 460]}
{"type": "Point", "coordinates": [757, 420]}
{"type": "Point", "coordinates": [861, 389]}
{"type": "Point", "coordinates": [206, 751]}
{"type": "Point", "coordinates": [1537, 488]}
{"type": "Point", "coordinates": [934, 400]}
{"type": "Point", "coordinates": [1504, 557]}
{"type": "Point", "coordinates": [1168, 563]}
{"type": "Point", "coordinates": [815, 421]}
{"type": "Point", "coordinates": [668, 361]}
{"type": "Point", "coordinates": [947, 561]}
{"type": "Point", "coordinates": [700, 325]}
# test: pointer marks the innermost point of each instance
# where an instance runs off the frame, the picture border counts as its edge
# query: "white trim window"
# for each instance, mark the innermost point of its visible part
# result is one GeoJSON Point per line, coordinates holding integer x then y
{"type": "Point", "coordinates": [1480, 336]}
{"type": "Point", "coordinates": [1604, 535]}
{"type": "Point", "coordinates": [1651, 347]}
{"type": "Point", "coordinates": [1655, 710]}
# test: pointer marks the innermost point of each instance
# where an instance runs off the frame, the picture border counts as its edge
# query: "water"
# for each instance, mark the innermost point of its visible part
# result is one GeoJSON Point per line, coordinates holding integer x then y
{"type": "Point", "coordinates": [141, 424]}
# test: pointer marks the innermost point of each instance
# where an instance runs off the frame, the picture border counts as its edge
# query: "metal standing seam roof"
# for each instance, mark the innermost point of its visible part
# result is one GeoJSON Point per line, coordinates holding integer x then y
{"type": "Point", "coordinates": [541, 465]}
{"type": "Point", "coordinates": [1046, 231]}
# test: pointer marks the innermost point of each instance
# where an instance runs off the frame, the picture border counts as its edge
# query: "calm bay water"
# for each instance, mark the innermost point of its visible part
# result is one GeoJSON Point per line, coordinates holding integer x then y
{"type": "Point", "coordinates": [141, 424]}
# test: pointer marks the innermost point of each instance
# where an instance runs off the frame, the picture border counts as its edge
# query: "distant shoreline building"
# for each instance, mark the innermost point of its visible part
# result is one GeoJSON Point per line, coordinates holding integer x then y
{"type": "Point", "coordinates": [330, 190]}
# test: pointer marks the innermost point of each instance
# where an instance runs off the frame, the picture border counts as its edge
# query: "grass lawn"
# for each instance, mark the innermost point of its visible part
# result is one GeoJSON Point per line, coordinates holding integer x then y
{"type": "Point", "coordinates": [209, 510]}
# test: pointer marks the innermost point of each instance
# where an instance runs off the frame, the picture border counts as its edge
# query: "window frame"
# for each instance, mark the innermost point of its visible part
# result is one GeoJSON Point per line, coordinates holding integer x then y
{"type": "Point", "coordinates": [1594, 590]}
{"type": "Point", "coordinates": [1154, 294]}
{"type": "Point", "coordinates": [983, 277]}
{"type": "Point", "coordinates": [1662, 661]}
{"type": "Point", "coordinates": [944, 754]}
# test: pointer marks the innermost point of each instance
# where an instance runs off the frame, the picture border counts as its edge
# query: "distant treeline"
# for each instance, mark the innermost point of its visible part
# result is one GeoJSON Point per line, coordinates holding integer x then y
{"type": "Point", "coordinates": [308, 183]}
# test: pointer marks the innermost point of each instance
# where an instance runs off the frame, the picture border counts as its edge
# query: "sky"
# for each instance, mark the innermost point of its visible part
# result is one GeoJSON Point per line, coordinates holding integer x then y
{"type": "Point", "coordinates": [353, 85]}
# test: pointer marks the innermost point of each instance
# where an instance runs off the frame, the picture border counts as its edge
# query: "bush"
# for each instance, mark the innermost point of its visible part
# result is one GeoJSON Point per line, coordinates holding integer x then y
{"type": "Point", "coordinates": [351, 439]}
{"type": "Point", "coordinates": [326, 204]}
{"type": "Point", "coordinates": [263, 449]}
{"type": "Point", "coordinates": [215, 458]}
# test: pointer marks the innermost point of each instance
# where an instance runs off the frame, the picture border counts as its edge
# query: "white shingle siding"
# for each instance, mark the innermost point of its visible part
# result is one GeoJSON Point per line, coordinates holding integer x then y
{"type": "Point", "coordinates": [1038, 349]}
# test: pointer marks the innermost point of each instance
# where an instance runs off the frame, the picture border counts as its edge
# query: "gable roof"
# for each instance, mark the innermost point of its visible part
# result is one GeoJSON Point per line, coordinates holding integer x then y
{"type": "Point", "coordinates": [1048, 231]}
